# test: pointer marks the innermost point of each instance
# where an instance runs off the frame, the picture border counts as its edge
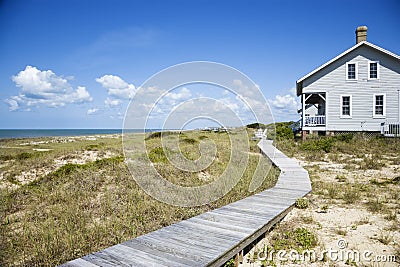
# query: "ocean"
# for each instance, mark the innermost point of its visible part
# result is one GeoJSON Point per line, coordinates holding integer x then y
{"type": "Point", "coordinates": [29, 133]}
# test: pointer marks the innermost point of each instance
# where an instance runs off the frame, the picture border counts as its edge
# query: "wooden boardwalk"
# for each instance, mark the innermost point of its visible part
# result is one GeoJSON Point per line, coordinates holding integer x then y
{"type": "Point", "coordinates": [214, 237]}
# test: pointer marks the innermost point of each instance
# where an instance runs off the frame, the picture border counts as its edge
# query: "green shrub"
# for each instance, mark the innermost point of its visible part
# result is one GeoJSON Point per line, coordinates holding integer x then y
{"type": "Point", "coordinates": [92, 147]}
{"type": "Point", "coordinates": [107, 161]}
{"type": "Point", "coordinates": [301, 203]}
{"type": "Point", "coordinates": [159, 134]}
{"type": "Point", "coordinates": [396, 180]}
{"type": "Point", "coordinates": [230, 263]}
{"type": "Point", "coordinates": [202, 137]}
{"type": "Point", "coordinates": [67, 169]}
{"type": "Point", "coordinates": [333, 190]}
{"type": "Point", "coordinates": [341, 231]}
{"type": "Point", "coordinates": [299, 239]}
{"type": "Point", "coordinates": [158, 155]}
{"type": "Point", "coordinates": [375, 205]}
{"type": "Point", "coordinates": [341, 178]}
{"type": "Point", "coordinates": [345, 137]}
{"type": "Point", "coordinates": [351, 195]}
{"type": "Point", "coordinates": [24, 155]}
{"type": "Point", "coordinates": [6, 157]}
{"type": "Point", "coordinates": [255, 125]}
{"type": "Point", "coordinates": [189, 141]}
{"type": "Point", "coordinates": [11, 178]}
{"type": "Point", "coordinates": [304, 238]}
{"type": "Point", "coordinates": [322, 144]}
{"type": "Point", "coordinates": [282, 131]}
{"type": "Point", "coordinates": [372, 163]}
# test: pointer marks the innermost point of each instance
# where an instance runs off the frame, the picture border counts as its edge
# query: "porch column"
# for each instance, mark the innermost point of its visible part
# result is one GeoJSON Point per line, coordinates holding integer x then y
{"type": "Point", "coordinates": [303, 112]}
{"type": "Point", "coordinates": [303, 135]}
{"type": "Point", "coordinates": [303, 109]}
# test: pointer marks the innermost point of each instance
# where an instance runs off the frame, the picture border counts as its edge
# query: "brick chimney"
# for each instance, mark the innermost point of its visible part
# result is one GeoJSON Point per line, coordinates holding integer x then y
{"type": "Point", "coordinates": [361, 34]}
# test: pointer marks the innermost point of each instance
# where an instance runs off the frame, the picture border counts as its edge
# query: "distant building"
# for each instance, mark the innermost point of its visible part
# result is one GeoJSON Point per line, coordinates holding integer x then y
{"type": "Point", "coordinates": [359, 90]}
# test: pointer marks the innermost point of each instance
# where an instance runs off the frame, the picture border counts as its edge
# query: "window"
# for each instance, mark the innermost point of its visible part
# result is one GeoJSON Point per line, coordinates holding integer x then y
{"type": "Point", "coordinates": [345, 106]}
{"type": "Point", "coordinates": [351, 71]}
{"type": "Point", "coordinates": [379, 105]}
{"type": "Point", "coordinates": [373, 70]}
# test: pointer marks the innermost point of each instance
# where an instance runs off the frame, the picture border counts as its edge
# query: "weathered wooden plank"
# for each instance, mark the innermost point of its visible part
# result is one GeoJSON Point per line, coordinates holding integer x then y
{"type": "Point", "coordinates": [255, 204]}
{"type": "Point", "coordinates": [187, 251]}
{"type": "Point", "coordinates": [186, 229]}
{"type": "Point", "coordinates": [79, 263]}
{"type": "Point", "coordinates": [161, 250]}
{"type": "Point", "coordinates": [253, 221]}
{"type": "Point", "coordinates": [284, 204]}
{"type": "Point", "coordinates": [260, 202]}
{"type": "Point", "coordinates": [195, 240]}
{"type": "Point", "coordinates": [207, 229]}
{"type": "Point", "coordinates": [266, 210]}
{"type": "Point", "coordinates": [301, 191]}
{"type": "Point", "coordinates": [290, 185]}
{"type": "Point", "coordinates": [288, 190]}
{"type": "Point", "coordinates": [101, 259]}
{"type": "Point", "coordinates": [295, 172]}
{"type": "Point", "coordinates": [134, 257]}
{"type": "Point", "coordinates": [284, 161]}
{"type": "Point", "coordinates": [294, 182]}
{"type": "Point", "coordinates": [228, 220]}
{"type": "Point", "coordinates": [248, 214]}
{"type": "Point", "coordinates": [300, 176]}
{"type": "Point", "coordinates": [240, 228]}
{"type": "Point", "coordinates": [206, 233]}
{"type": "Point", "coordinates": [240, 231]}
{"type": "Point", "coordinates": [252, 214]}
{"type": "Point", "coordinates": [275, 193]}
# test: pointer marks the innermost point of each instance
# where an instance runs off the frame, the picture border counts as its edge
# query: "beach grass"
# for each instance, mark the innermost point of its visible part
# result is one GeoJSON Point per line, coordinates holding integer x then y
{"type": "Point", "coordinates": [74, 205]}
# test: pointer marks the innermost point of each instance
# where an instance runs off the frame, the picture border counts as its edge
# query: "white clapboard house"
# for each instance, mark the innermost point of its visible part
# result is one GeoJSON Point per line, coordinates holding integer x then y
{"type": "Point", "coordinates": [357, 91]}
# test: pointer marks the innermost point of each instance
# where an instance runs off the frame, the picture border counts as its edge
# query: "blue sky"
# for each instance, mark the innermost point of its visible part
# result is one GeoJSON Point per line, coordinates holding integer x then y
{"type": "Point", "coordinates": [76, 64]}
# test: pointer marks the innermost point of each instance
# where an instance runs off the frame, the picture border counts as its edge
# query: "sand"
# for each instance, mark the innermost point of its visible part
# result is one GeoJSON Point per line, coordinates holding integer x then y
{"type": "Point", "coordinates": [359, 229]}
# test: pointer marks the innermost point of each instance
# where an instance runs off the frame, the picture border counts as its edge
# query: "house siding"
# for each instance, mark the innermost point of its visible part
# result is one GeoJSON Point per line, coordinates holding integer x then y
{"type": "Point", "coordinates": [332, 81]}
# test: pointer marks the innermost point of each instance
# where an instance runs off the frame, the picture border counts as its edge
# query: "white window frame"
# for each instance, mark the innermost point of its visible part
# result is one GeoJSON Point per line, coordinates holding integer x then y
{"type": "Point", "coordinates": [350, 104]}
{"type": "Point", "coordinates": [347, 71]}
{"type": "Point", "coordinates": [374, 106]}
{"type": "Point", "coordinates": [377, 70]}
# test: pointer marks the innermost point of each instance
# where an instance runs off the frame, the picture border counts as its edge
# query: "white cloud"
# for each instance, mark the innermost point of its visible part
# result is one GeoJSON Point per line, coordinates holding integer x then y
{"type": "Point", "coordinates": [184, 93]}
{"type": "Point", "coordinates": [110, 102]}
{"type": "Point", "coordinates": [44, 88]}
{"type": "Point", "coordinates": [12, 103]}
{"type": "Point", "coordinates": [285, 106]}
{"type": "Point", "coordinates": [92, 111]}
{"type": "Point", "coordinates": [116, 87]}
{"type": "Point", "coordinates": [287, 102]}
{"type": "Point", "coordinates": [81, 95]}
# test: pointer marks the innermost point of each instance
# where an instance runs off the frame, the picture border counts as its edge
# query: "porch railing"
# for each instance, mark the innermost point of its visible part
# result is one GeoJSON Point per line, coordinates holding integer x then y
{"type": "Point", "coordinates": [318, 120]}
{"type": "Point", "coordinates": [391, 129]}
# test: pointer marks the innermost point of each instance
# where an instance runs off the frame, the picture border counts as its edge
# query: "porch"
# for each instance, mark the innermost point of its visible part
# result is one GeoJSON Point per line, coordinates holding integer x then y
{"type": "Point", "coordinates": [313, 111]}
{"type": "Point", "coordinates": [391, 129]}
